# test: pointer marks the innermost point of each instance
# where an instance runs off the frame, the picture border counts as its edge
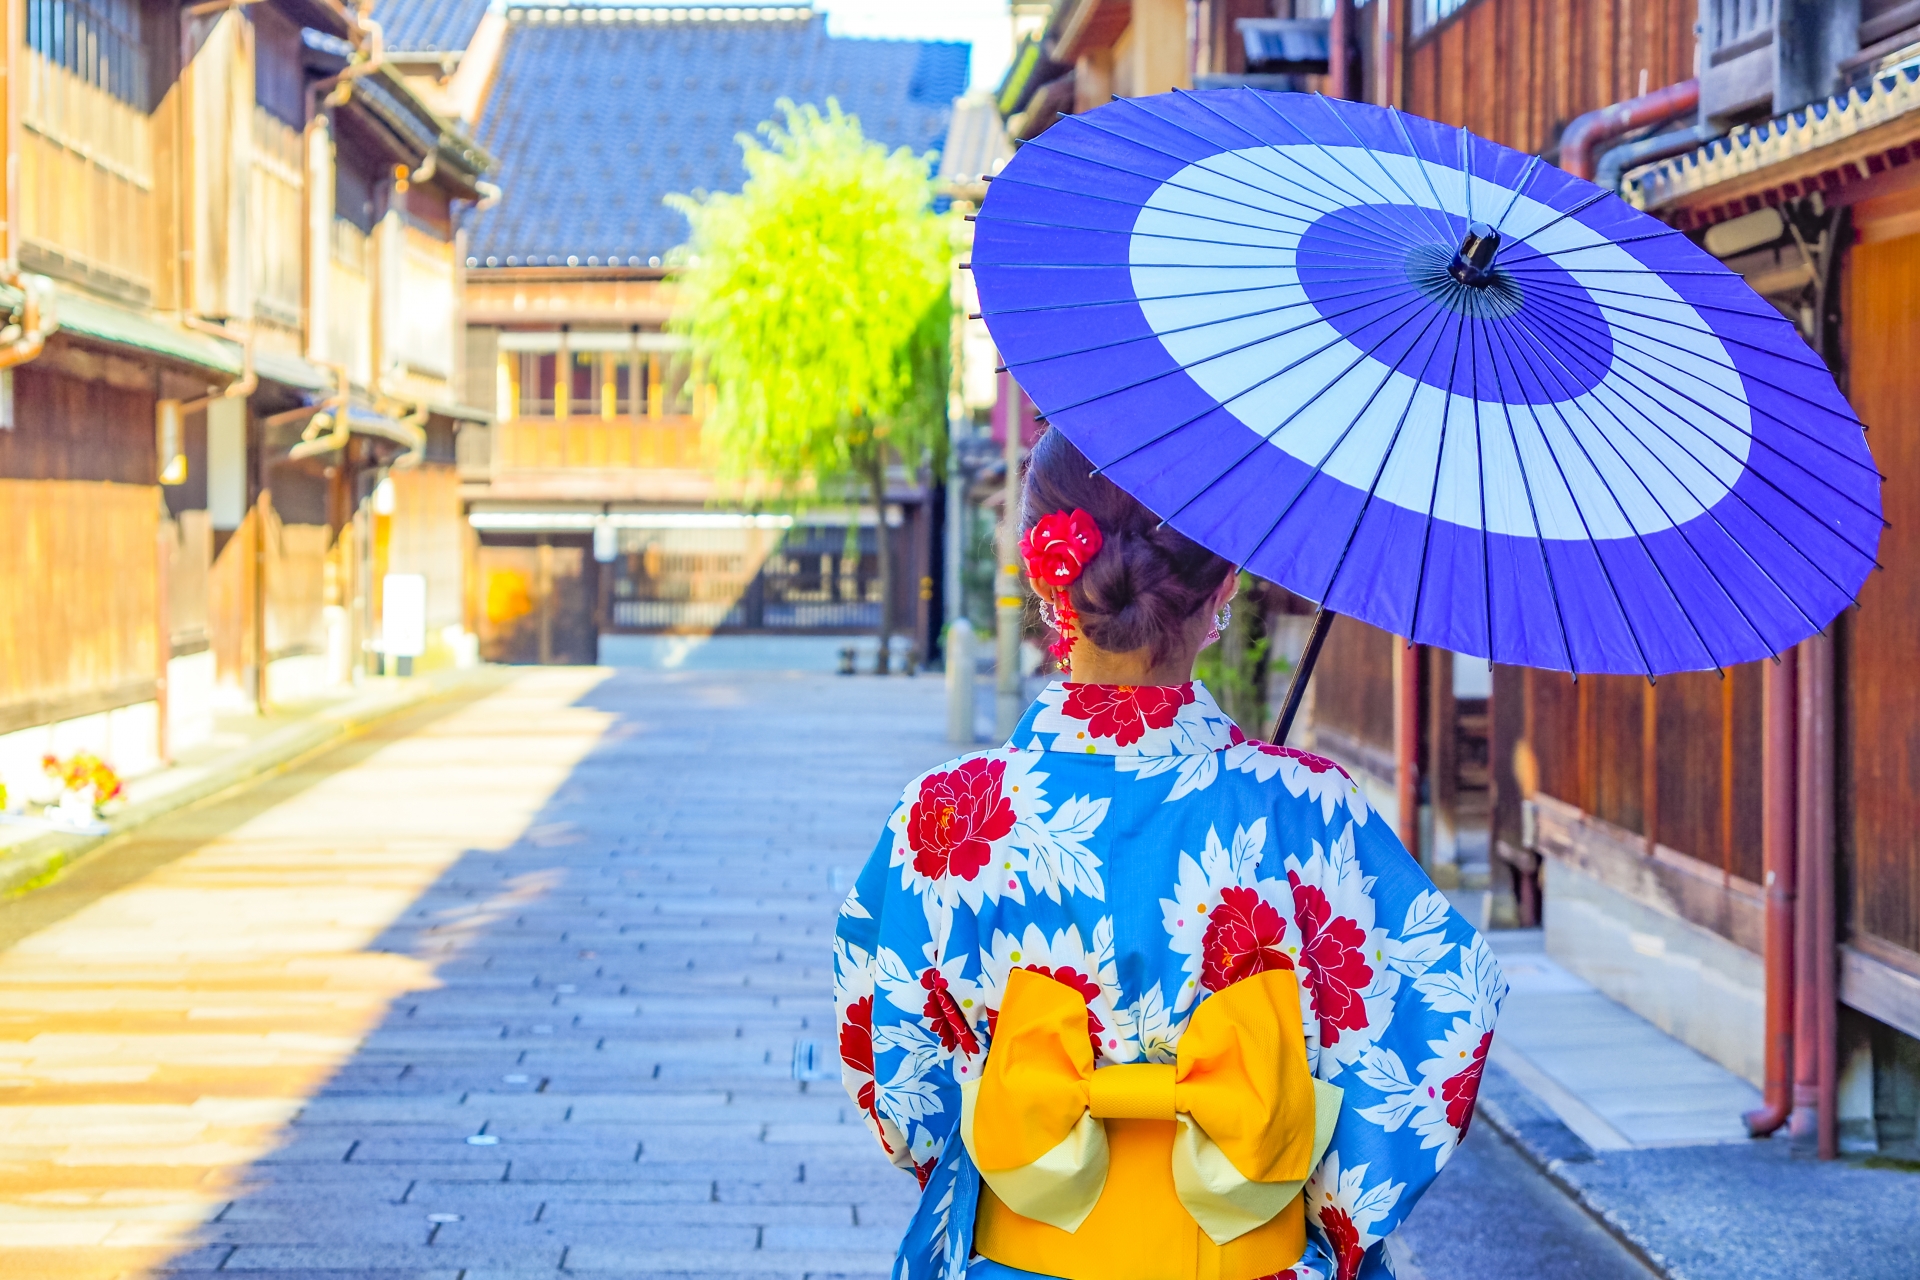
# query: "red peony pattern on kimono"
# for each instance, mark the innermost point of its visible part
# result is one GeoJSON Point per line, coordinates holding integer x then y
{"type": "Point", "coordinates": [947, 1020]}
{"type": "Point", "coordinates": [1310, 762]}
{"type": "Point", "coordinates": [1332, 947]}
{"type": "Point", "coordinates": [856, 1052]}
{"type": "Point", "coordinates": [957, 817]}
{"type": "Point", "coordinates": [1461, 1089]}
{"type": "Point", "coordinates": [1124, 712]}
{"type": "Point", "coordinates": [1344, 1238]}
{"type": "Point", "coordinates": [1245, 936]}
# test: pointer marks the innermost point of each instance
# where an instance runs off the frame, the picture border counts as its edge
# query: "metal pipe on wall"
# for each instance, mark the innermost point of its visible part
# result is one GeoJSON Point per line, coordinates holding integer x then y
{"type": "Point", "coordinates": [1779, 712]}
{"type": "Point", "coordinates": [1580, 141]}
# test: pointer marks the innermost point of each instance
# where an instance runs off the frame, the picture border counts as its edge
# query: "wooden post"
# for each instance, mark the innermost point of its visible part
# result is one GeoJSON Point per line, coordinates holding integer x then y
{"type": "Point", "coordinates": [163, 632]}
{"type": "Point", "coordinates": [1340, 49]}
{"type": "Point", "coordinates": [1650, 766]}
{"type": "Point", "coordinates": [1406, 741]}
{"type": "Point", "coordinates": [1779, 713]}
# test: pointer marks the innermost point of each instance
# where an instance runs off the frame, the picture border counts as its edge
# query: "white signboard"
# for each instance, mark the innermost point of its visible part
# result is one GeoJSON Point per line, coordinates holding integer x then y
{"type": "Point", "coordinates": [403, 615]}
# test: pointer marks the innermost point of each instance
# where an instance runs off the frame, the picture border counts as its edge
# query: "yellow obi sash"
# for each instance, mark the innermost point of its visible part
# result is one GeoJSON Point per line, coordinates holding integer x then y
{"type": "Point", "coordinates": [1147, 1171]}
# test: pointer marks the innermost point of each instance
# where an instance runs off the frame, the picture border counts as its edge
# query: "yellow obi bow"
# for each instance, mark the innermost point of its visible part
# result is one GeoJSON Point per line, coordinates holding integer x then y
{"type": "Point", "coordinates": [1251, 1121]}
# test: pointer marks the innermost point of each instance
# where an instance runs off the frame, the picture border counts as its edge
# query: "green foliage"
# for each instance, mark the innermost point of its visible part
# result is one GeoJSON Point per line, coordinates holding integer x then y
{"type": "Point", "coordinates": [819, 299]}
{"type": "Point", "coordinates": [1235, 669]}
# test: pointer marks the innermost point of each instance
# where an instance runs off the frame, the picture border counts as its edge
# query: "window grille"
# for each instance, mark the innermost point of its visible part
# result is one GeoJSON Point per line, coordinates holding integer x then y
{"type": "Point", "coordinates": [1737, 26]}
{"type": "Point", "coordinates": [97, 40]}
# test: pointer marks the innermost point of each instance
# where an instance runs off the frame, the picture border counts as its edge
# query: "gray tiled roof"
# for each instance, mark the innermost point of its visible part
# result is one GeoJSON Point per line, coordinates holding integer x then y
{"type": "Point", "coordinates": [594, 121]}
{"type": "Point", "coordinates": [429, 26]}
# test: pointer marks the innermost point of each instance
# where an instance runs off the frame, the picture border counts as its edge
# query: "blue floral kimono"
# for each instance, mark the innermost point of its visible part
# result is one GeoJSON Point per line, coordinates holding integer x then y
{"type": "Point", "coordinates": [1133, 844]}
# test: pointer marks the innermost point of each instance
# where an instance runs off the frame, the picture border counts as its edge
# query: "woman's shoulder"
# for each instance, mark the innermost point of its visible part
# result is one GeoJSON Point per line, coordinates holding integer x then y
{"type": "Point", "coordinates": [1298, 776]}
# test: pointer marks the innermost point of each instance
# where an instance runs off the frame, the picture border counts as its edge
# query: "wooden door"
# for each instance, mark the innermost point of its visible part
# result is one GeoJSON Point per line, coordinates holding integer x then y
{"type": "Point", "coordinates": [537, 603]}
{"type": "Point", "coordinates": [1879, 695]}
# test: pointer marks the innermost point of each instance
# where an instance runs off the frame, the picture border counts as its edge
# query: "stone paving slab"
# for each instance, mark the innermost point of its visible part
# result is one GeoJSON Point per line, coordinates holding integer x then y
{"type": "Point", "coordinates": [1612, 1077]}
{"type": "Point", "coordinates": [586, 917]}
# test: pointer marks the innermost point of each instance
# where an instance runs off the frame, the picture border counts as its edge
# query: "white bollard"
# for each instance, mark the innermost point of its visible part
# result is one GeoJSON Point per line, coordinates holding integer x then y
{"type": "Point", "coordinates": [960, 682]}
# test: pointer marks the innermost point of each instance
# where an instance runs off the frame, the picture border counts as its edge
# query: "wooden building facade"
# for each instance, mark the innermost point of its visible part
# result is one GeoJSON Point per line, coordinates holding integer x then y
{"type": "Point", "coordinates": [602, 520]}
{"type": "Point", "coordinates": [1642, 805]}
{"type": "Point", "coordinates": [237, 223]}
{"type": "Point", "coordinates": [1630, 815]}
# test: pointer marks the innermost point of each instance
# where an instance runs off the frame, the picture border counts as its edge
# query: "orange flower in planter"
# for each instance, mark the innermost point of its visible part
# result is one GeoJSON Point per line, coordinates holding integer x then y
{"type": "Point", "coordinates": [81, 770]}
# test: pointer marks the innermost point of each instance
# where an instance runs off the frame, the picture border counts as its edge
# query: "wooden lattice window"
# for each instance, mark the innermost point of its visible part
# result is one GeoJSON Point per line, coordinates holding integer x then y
{"type": "Point", "coordinates": [97, 40]}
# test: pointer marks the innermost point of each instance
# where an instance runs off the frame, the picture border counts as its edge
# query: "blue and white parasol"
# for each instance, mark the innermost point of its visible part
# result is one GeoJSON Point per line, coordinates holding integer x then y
{"type": "Point", "coordinates": [1428, 381]}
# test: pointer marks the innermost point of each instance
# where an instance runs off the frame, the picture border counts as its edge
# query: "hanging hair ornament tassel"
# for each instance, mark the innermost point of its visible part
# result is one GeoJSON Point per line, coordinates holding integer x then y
{"type": "Point", "coordinates": [1056, 549]}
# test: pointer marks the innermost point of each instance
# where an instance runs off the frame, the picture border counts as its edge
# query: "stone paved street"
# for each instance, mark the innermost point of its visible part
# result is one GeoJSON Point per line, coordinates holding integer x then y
{"type": "Point", "coordinates": [508, 985]}
{"type": "Point", "coordinates": [531, 981]}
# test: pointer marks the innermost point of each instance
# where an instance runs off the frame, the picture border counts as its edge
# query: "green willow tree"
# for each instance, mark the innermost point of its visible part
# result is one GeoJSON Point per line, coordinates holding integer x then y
{"type": "Point", "coordinates": [819, 300]}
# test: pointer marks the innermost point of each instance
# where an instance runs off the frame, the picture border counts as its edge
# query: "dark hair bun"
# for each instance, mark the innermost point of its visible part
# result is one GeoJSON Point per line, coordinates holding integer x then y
{"type": "Point", "coordinates": [1148, 581]}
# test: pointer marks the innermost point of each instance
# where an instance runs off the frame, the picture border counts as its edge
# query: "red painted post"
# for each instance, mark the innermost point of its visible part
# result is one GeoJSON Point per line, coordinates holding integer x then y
{"type": "Point", "coordinates": [1779, 710]}
{"type": "Point", "coordinates": [1406, 741]}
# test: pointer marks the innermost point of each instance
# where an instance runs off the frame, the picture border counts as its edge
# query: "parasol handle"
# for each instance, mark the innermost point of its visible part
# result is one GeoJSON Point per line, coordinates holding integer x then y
{"type": "Point", "coordinates": [1322, 621]}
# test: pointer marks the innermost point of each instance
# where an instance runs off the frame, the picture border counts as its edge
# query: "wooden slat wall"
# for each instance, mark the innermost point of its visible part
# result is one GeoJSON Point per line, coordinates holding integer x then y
{"type": "Point", "coordinates": [230, 585]}
{"type": "Point", "coordinates": [79, 571]}
{"type": "Point", "coordinates": [86, 181]}
{"type": "Point", "coordinates": [70, 428]}
{"type": "Point", "coordinates": [1517, 71]}
{"type": "Point", "coordinates": [189, 543]}
{"type": "Point", "coordinates": [296, 574]}
{"type": "Point", "coordinates": [1353, 684]}
{"type": "Point", "coordinates": [1679, 762]}
{"type": "Point", "coordinates": [221, 109]}
{"type": "Point", "coordinates": [275, 220]}
{"type": "Point", "coordinates": [428, 536]}
{"type": "Point", "coordinates": [1879, 695]}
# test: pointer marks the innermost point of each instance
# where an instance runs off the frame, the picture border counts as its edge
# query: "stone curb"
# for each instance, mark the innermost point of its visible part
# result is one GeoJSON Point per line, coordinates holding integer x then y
{"type": "Point", "coordinates": [1557, 1151]}
{"type": "Point", "coordinates": [32, 860]}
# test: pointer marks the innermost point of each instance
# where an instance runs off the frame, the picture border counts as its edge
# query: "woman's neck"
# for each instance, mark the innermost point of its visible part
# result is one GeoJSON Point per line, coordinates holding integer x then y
{"type": "Point", "coordinates": [1137, 667]}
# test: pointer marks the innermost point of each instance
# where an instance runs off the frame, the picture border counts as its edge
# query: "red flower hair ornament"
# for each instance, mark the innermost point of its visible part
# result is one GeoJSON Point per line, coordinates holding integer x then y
{"type": "Point", "coordinates": [1059, 546]}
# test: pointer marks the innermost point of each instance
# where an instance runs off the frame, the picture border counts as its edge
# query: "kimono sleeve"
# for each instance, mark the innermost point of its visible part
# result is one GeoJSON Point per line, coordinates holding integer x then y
{"type": "Point", "coordinates": [1404, 996]}
{"type": "Point", "coordinates": [856, 952]}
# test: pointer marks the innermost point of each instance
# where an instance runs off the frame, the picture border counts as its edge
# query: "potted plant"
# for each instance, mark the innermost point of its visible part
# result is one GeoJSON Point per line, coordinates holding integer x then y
{"type": "Point", "coordinates": [87, 783]}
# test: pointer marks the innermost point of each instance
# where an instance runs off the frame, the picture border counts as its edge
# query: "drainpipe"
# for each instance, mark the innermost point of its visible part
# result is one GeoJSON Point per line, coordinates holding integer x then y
{"type": "Point", "coordinates": [1580, 142]}
{"type": "Point", "coordinates": [418, 449]}
{"type": "Point", "coordinates": [37, 316]}
{"type": "Point", "coordinates": [1615, 163]}
{"type": "Point", "coordinates": [242, 387]}
{"type": "Point", "coordinates": [1814, 1046]}
{"type": "Point", "coordinates": [313, 443]}
{"type": "Point", "coordinates": [1778, 777]}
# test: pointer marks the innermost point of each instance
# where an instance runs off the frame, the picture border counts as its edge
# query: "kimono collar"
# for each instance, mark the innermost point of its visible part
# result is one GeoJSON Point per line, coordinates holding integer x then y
{"type": "Point", "coordinates": [1126, 720]}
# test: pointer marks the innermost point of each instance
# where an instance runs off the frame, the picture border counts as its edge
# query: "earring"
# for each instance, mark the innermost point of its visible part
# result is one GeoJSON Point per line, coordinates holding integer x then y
{"type": "Point", "coordinates": [1049, 615]}
{"type": "Point", "coordinates": [1222, 618]}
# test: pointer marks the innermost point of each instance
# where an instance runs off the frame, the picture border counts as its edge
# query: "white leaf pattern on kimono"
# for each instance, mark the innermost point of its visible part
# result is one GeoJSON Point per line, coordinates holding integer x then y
{"type": "Point", "coordinates": [1057, 854]}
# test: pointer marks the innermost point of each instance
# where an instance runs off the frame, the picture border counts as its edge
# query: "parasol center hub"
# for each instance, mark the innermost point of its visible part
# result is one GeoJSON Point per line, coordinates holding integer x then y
{"type": "Point", "coordinates": [1472, 263]}
{"type": "Point", "coordinates": [1433, 269]}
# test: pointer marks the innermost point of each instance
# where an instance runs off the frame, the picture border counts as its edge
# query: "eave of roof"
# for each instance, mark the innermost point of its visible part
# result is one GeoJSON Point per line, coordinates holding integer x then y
{"type": "Point", "coordinates": [84, 316]}
{"type": "Point", "coordinates": [1873, 126]}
